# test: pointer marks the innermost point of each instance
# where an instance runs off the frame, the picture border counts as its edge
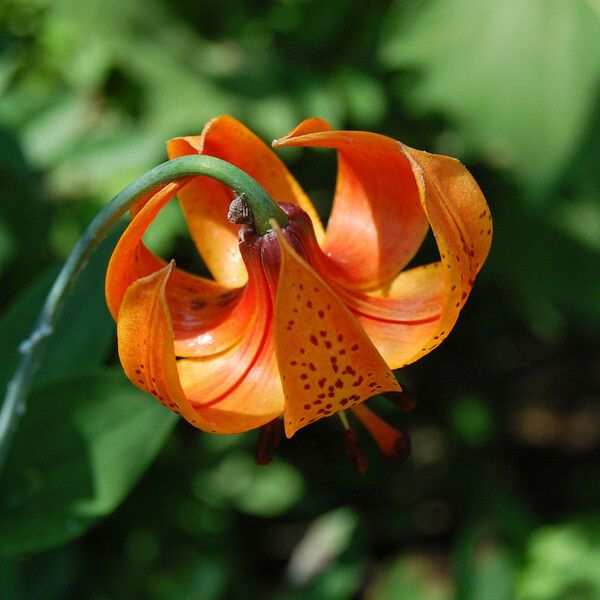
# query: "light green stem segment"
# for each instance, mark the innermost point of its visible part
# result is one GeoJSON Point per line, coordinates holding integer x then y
{"type": "Point", "coordinates": [32, 349]}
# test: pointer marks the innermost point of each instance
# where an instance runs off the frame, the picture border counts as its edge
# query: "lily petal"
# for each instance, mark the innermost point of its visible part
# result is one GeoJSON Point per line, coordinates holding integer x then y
{"type": "Point", "coordinates": [412, 314]}
{"type": "Point", "coordinates": [326, 360]}
{"type": "Point", "coordinates": [207, 317]}
{"type": "Point", "coordinates": [240, 388]}
{"type": "Point", "coordinates": [377, 222]}
{"type": "Point", "coordinates": [401, 320]}
{"type": "Point", "coordinates": [146, 344]}
{"type": "Point", "coordinates": [461, 223]}
{"type": "Point", "coordinates": [220, 394]}
{"type": "Point", "coordinates": [399, 317]}
{"type": "Point", "coordinates": [456, 209]}
{"type": "Point", "coordinates": [205, 201]}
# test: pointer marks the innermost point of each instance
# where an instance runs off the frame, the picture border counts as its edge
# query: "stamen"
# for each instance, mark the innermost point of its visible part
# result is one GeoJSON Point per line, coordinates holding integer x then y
{"type": "Point", "coordinates": [394, 444]}
{"type": "Point", "coordinates": [403, 400]}
{"type": "Point", "coordinates": [268, 440]}
{"type": "Point", "coordinates": [354, 452]}
{"type": "Point", "coordinates": [344, 419]}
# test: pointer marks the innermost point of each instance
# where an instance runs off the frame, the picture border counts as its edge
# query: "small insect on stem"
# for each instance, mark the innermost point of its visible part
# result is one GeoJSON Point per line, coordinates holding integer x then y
{"type": "Point", "coordinates": [239, 211]}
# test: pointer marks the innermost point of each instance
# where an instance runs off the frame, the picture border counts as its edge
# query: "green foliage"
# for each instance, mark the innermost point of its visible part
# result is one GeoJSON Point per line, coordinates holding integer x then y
{"type": "Point", "coordinates": [517, 78]}
{"type": "Point", "coordinates": [562, 562]}
{"type": "Point", "coordinates": [506, 424]}
{"type": "Point", "coordinates": [85, 332]}
{"type": "Point", "coordinates": [80, 447]}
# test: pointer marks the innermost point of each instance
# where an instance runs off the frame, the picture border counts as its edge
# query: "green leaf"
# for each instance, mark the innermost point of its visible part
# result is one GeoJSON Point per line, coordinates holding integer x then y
{"type": "Point", "coordinates": [562, 562]}
{"type": "Point", "coordinates": [518, 78]}
{"type": "Point", "coordinates": [252, 489]}
{"type": "Point", "coordinates": [552, 274]}
{"type": "Point", "coordinates": [471, 419]}
{"type": "Point", "coordinates": [484, 567]}
{"type": "Point", "coordinates": [81, 446]}
{"type": "Point", "coordinates": [84, 334]}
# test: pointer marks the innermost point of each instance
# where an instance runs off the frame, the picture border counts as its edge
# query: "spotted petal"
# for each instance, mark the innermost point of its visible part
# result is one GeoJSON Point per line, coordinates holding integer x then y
{"type": "Point", "coordinates": [430, 296]}
{"type": "Point", "coordinates": [326, 360]}
{"type": "Point", "coordinates": [409, 315]}
{"type": "Point", "coordinates": [406, 318]}
{"type": "Point", "coordinates": [207, 317]}
{"type": "Point", "coordinates": [461, 223]}
{"type": "Point", "coordinates": [377, 222]}
{"type": "Point", "coordinates": [231, 392]}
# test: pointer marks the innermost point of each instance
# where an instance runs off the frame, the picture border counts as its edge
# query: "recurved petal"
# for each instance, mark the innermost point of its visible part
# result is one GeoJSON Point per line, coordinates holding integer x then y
{"type": "Point", "coordinates": [401, 319]}
{"type": "Point", "coordinates": [326, 360]}
{"type": "Point", "coordinates": [146, 344]}
{"type": "Point", "coordinates": [206, 316]}
{"type": "Point", "coordinates": [456, 208]}
{"type": "Point", "coordinates": [239, 389]}
{"type": "Point", "coordinates": [205, 201]}
{"type": "Point", "coordinates": [410, 315]}
{"type": "Point", "coordinates": [461, 223]}
{"type": "Point", "coordinates": [377, 222]}
{"type": "Point", "coordinates": [130, 259]}
{"type": "Point", "coordinates": [228, 393]}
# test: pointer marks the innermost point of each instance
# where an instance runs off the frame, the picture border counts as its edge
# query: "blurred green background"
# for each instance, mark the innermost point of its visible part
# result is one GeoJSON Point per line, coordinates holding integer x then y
{"type": "Point", "coordinates": [107, 496]}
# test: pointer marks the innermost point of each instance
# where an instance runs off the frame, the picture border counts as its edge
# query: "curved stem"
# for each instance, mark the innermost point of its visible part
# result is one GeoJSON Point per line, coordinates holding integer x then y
{"type": "Point", "coordinates": [32, 349]}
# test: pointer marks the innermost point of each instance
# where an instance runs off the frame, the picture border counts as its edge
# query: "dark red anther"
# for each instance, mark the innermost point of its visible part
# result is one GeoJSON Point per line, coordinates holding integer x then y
{"type": "Point", "coordinates": [402, 449]}
{"type": "Point", "coordinates": [354, 452]}
{"type": "Point", "coordinates": [268, 440]}
{"type": "Point", "coordinates": [403, 400]}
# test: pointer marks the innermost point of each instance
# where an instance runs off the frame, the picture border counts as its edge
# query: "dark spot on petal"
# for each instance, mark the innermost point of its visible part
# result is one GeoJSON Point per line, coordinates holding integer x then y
{"type": "Point", "coordinates": [197, 304]}
{"type": "Point", "coordinates": [358, 381]}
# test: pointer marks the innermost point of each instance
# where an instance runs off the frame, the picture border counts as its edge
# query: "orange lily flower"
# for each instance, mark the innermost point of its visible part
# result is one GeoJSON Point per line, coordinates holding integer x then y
{"type": "Point", "coordinates": [303, 322]}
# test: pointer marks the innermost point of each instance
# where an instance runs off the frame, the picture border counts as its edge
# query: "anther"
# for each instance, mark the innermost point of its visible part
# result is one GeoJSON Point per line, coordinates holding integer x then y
{"type": "Point", "coordinates": [268, 440]}
{"type": "Point", "coordinates": [394, 444]}
{"type": "Point", "coordinates": [403, 400]}
{"type": "Point", "coordinates": [354, 452]}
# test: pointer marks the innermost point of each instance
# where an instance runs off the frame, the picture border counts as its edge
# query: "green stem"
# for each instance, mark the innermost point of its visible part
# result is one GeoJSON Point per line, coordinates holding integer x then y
{"type": "Point", "coordinates": [32, 349]}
